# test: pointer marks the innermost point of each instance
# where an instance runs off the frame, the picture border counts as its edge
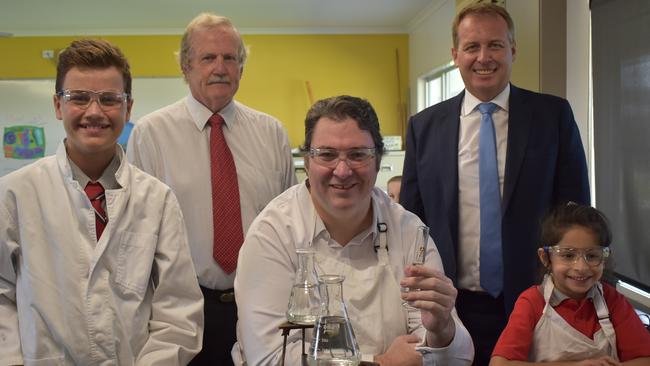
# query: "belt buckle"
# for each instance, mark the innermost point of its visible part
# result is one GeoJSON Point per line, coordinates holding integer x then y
{"type": "Point", "coordinates": [227, 297]}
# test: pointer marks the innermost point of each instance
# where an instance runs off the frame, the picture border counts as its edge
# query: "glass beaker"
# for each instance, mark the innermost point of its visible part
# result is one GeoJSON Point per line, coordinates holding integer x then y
{"type": "Point", "coordinates": [303, 303]}
{"type": "Point", "coordinates": [334, 342]}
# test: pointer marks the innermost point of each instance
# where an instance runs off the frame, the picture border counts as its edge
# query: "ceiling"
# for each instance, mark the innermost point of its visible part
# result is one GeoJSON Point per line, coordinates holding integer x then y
{"type": "Point", "coordinates": [112, 17]}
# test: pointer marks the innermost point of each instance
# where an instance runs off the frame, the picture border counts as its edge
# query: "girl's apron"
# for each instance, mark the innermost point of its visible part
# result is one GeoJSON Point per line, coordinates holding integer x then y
{"type": "Point", "coordinates": [556, 340]}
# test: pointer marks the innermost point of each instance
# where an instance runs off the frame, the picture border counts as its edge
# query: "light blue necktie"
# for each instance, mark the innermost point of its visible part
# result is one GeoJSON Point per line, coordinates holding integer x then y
{"type": "Point", "coordinates": [491, 261]}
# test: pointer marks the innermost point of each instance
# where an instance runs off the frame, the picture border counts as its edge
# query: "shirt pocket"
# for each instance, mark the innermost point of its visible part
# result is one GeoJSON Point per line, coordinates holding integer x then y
{"type": "Point", "coordinates": [134, 260]}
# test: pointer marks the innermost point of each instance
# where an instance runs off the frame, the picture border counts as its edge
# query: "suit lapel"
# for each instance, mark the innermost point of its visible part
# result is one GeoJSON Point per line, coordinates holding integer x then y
{"type": "Point", "coordinates": [446, 147]}
{"type": "Point", "coordinates": [519, 124]}
{"type": "Point", "coordinates": [451, 127]}
{"type": "Point", "coordinates": [445, 155]}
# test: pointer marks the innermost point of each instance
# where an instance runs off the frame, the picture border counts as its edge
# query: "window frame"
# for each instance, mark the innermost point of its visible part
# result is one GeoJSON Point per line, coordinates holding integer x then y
{"type": "Point", "coordinates": [444, 73]}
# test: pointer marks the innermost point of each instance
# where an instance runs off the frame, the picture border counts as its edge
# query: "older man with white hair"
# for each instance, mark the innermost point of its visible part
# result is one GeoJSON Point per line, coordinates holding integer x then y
{"type": "Point", "coordinates": [241, 160]}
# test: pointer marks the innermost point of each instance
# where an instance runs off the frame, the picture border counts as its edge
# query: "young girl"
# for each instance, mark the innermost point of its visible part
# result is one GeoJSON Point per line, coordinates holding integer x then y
{"type": "Point", "coordinates": [572, 318]}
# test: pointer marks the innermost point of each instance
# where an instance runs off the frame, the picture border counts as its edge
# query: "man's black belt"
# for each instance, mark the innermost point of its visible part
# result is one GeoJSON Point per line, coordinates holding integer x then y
{"type": "Point", "coordinates": [222, 296]}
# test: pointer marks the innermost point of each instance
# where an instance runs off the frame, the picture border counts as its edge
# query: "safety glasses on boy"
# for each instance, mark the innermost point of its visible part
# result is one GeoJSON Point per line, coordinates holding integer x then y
{"type": "Point", "coordinates": [83, 98]}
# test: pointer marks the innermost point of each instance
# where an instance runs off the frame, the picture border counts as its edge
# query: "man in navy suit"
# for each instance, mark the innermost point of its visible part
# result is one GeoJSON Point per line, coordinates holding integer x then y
{"type": "Point", "coordinates": [539, 158]}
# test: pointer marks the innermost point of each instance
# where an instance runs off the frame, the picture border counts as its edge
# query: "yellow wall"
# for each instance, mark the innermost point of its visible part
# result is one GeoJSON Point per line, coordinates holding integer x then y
{"type": "Point", "coordinates": [275, 75]}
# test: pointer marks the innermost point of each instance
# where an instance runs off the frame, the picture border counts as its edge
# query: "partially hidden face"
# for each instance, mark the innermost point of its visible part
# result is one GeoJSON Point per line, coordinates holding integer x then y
{"type": "Point", "coordinates": [571, 274]}
{"type": "Point", "coordinates": [484, 55]}
{"type": "Point", "coordinates": [92, 129]}
{"type": "Point", "coordinates": [393, 190]}
{"type": "Point", "coordinates": [341, 191]}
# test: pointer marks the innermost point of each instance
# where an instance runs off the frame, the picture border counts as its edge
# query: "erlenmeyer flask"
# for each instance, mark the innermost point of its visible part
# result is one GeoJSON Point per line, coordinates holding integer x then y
{"type": "Point", "coordinates": [303, 303]}
{"type": "Point", "coordinates": [334, 342]}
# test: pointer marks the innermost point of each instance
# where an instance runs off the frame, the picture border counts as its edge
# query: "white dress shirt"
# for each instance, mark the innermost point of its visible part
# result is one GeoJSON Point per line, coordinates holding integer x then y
{"type": "Point", "coordinates": [130, 298]}
{"type": "Point", "coordinates": [469, 209]}
{"type": "Point", "coordinates": [267, 265]}
{"type": "Point", "coordinates": [173, 144]}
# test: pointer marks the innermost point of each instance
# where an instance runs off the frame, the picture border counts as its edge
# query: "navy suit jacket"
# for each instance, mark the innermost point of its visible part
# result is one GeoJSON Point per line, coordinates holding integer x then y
{"type": "Point", "coordinates": [545, 165]}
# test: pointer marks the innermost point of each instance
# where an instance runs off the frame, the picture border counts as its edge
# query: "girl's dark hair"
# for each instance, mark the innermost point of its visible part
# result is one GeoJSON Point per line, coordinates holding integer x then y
{"type": "Point", "coordinates": [561, 218]}
{"type": "Point", "coordinates": [564, 216]}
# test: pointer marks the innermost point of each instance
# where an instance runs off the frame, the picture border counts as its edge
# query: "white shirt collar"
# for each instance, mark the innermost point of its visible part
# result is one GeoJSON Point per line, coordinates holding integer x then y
{"type": "Point", "coordinates": [320, 230]}
{"type": "Point", "coordinates": [200, 113]}
{"type": "Point", "coordinates": [557, 296]}
{"type": "Point", "coordinates": [109, 178]}
{"type": "Point", "coordinates": [470, 102]}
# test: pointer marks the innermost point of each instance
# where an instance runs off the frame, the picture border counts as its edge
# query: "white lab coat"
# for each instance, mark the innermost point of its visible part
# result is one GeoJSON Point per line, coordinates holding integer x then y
{"type": "Point", "coordinates": [131, 298]}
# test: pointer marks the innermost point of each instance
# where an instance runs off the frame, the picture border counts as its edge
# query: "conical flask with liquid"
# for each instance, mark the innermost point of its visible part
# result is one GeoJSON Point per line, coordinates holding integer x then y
{"type": "Point", "coordinates": [334, 342]}
{"type": "Point", "coordinates": [304, 306]}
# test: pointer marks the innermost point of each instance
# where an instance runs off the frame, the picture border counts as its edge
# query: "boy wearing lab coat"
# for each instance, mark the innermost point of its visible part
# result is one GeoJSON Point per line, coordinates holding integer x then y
{"type": "Point", "coordinates": [94, 262]}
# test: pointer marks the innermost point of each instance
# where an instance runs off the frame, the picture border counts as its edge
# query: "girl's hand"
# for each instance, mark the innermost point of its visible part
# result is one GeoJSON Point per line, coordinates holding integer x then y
{"type": "Point", "coordinates": [600, 361]}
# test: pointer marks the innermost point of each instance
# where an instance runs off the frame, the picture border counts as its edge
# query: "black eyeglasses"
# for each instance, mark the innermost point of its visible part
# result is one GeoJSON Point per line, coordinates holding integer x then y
{"type": "Point", "coordinates": [567, 255]}
{"type": "Point", "coordinates": [355, 158]}
{"type": "Point", "coordinates": [83, 98]}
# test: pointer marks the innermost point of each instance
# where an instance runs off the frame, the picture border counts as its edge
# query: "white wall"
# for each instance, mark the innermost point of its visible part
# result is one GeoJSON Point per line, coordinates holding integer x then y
{"type": "Point", "coordinates": [429, 43]}
{"type": "Point", "coordinates": [578, 70]}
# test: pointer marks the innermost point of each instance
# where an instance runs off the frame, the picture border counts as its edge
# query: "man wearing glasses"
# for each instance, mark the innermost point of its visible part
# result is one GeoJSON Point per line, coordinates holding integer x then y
{"type": "Point", "coordinates": [94, 262]}
{"type": "Point", "coordinates": [356, 231]}
{"type": "Point", "coordinates": [225, 162]}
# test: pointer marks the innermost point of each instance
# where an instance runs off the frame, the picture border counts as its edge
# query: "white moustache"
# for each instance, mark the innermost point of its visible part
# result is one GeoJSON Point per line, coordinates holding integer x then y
{"type": "Point", "coordinates": [219, 79]}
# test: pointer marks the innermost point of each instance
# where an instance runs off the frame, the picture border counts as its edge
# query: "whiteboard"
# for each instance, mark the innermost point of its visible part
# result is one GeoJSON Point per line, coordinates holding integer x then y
{"type": "Point", "coordinates": [29, 103]}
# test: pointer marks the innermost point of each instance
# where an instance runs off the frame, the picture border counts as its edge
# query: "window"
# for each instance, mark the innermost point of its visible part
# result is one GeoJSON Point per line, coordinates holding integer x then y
{"type": "Point", "coordinates": [439, 85]}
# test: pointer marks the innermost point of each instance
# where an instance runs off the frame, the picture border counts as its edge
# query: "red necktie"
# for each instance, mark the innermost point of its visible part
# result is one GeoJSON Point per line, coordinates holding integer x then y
{"type": "Point", "coordinates": [95, 193]}
{"type": "Point", "coordinates": [226, 210]}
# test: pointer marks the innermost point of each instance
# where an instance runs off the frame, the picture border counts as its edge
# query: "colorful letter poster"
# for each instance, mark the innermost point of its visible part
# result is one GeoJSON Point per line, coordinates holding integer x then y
{"type": "Point", "coordinates": [24, 142]}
